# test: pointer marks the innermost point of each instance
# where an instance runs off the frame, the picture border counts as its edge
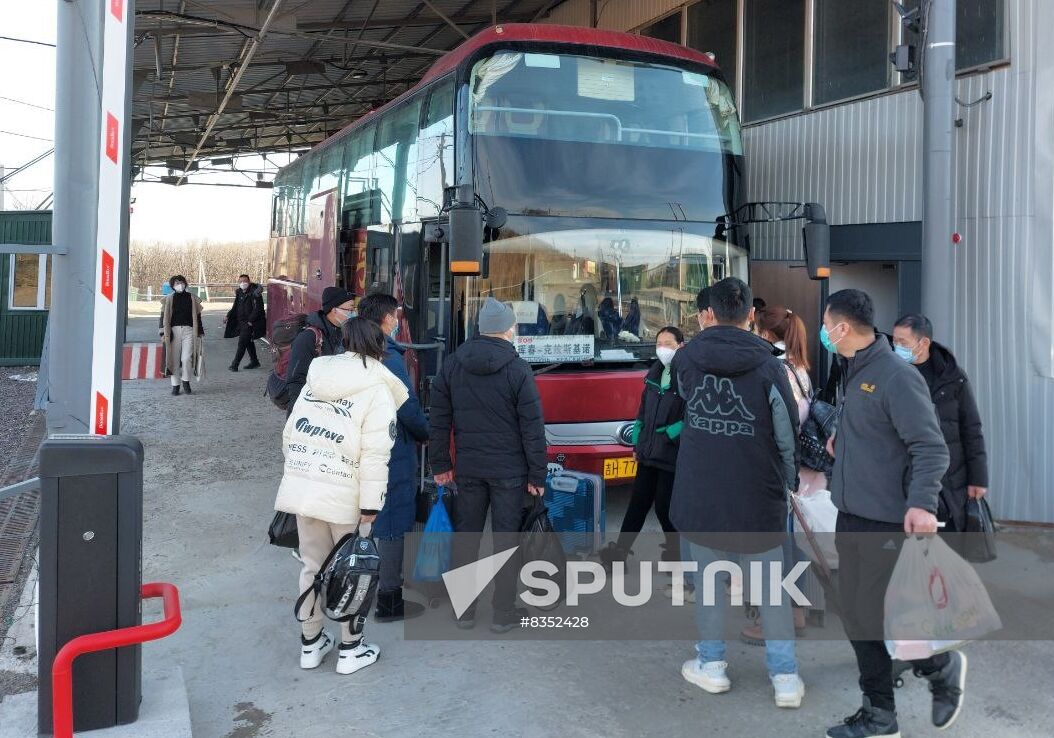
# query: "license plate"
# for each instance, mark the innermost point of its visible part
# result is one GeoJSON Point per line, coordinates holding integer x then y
{"type": "Point", "coordinates": [620, 468]}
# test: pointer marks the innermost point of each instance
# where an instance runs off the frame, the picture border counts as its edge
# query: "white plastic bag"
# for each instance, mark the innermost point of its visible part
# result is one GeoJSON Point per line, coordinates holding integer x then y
{"type": "Point", "coordinates": [935, 601]}
{"type": "Point", "coordinates": [820, 515]}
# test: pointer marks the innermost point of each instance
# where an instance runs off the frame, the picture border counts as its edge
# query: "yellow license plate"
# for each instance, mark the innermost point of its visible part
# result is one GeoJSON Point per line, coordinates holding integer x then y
{"type": "Point", "coordinates": [620, 468]}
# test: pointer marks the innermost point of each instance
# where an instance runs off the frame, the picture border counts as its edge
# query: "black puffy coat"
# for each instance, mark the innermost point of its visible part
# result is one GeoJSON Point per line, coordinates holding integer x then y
{"type": "Point", "coordinates": [487, 395]}
{"type": "Point", "coordinates": [248, 308]}
{"type": "Point", "coordinates": [659, 421]}
{"type": "Point", "coordinates": [961, 425]}
{"type": "Point", "coordinates": [302, 352]}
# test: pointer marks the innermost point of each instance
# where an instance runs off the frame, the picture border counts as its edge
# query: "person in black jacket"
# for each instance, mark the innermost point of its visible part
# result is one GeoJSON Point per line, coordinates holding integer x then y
{"type": "Point", "coordinates": [655, 437]}
{"type": "Point", "coordinates": [737, 461]}
{"type": "Point", "coordinates": [967, 474]}
{"type": "Point", "coordinates": [246, 320]}
{"type": "Point", "coordinates": [325, 324]}
{"type": "Point", "coordinates": [486, 395]}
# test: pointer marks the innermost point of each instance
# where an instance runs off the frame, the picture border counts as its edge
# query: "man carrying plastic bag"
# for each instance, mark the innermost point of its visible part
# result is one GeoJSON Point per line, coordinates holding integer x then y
{"type": "Point", "coordinates": [890, 457]}
{"type": "Point", "coordinates": [935, 602]}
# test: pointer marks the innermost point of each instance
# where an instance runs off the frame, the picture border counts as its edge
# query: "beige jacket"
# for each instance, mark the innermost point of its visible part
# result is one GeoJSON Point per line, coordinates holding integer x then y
{"type": "Point", "coordinates": [172, 353]}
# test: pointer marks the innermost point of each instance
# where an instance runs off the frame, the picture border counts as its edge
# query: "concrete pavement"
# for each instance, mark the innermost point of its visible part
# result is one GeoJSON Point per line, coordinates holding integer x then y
{"type": "Point", "coordinates": [213, 462]}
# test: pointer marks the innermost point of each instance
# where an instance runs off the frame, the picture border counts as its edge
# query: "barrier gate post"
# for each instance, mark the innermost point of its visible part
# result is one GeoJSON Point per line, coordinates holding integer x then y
{"type": "Point", "coordinates": [91, 532]}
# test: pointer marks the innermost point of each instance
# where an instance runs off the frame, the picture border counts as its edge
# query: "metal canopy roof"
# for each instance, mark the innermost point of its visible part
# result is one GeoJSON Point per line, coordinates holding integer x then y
{"type": "Point", "coordinates": [216, 78]}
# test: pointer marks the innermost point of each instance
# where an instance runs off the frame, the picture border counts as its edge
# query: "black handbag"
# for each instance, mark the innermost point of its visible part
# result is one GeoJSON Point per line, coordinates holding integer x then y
{"type": "Point", "coordinates": [979, 536]}
{"type": "Point", "coordinates": [282, 531]}
{"type": "Point", "coordinates": [539, 542]}
{"type": "Point", "coordinates": [815, 431]}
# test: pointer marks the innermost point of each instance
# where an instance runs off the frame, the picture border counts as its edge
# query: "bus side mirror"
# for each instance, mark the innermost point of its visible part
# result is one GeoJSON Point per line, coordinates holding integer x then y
{"type": "Point", "coordinates": [816, 236]}
{"type": "Point", "coordinates": [465, 234]}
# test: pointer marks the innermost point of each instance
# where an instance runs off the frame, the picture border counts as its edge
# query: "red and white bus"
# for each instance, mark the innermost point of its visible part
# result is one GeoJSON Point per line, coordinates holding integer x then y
{"type": "Point", "coordinates": [614, 158]}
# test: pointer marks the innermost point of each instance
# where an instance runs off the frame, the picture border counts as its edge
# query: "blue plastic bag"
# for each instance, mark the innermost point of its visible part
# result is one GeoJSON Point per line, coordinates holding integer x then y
{"type": "Point", "coordinates": [433, 555]}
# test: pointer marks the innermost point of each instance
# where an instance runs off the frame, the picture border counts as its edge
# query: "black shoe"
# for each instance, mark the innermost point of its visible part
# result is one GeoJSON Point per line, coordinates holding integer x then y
{"type": "Point", "coordinates": [612, 553]}
{"type": "Point", "coordinates": [391, 607]}
{"type": "Point", "coordinates": [947, 685]}
{"type": "Point", "coordinates": [253, 365]}
{"type": "Point", "coordinates": [175, 389]}
{"type": "Point", "coordinates": [187, 389]}
{"type": "Point", "coordinates": [233, 367]}
{"type": "Point", "coordinates": [867, 722]}
{"type": "Point", "coordinates": [467, 621]}
{"type": "Point", "coordinates": [506, 620]}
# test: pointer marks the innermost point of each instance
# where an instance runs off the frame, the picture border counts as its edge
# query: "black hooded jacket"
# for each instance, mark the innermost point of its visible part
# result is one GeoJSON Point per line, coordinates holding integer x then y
{"type": "Point", "coordinates": [302, 352]}
{"type": "Point", "coordinates": [961, 425]}
{"type": "Point", "coordinates": [738, 447]}
{"type": "Point", "coordinates": [487, 395]}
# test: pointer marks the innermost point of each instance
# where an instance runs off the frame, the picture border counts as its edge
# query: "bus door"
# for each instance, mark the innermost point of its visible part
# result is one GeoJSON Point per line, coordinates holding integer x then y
{"type": "Point", "coordinates": [322, 246]}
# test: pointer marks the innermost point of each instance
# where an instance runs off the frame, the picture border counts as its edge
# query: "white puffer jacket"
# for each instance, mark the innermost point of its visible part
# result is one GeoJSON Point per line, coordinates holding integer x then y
{"type": "Point", "coordinates": [338, 439]}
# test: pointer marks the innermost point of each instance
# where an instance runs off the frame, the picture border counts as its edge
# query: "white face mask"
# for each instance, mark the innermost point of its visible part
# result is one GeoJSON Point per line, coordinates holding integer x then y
{"type": "Point", "coordinates": [179, 287]}
{"type": "Point", "coordinates": [244, 286]}
{"type": "Point", "coordinates": [665, 354]}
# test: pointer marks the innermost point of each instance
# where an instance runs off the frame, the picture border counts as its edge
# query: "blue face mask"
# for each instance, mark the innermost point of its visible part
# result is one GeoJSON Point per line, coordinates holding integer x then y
{"type": "Point", "coordinates": [905, 353]}
{"type": "Point", "coordinates": [395, 332]}
{"type": "Point", "coordinates": [825, 339]}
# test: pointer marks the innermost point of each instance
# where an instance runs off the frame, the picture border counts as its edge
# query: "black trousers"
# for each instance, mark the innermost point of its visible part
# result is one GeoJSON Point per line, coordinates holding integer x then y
{"type": "Point", "coordinates": [867, 553]}
{"type": "Point", "coordinates": [652, 487]}
{"type": "Point", "coordinates": [245, 343]}
{"type": "Point", "coordinates": [506, 499]}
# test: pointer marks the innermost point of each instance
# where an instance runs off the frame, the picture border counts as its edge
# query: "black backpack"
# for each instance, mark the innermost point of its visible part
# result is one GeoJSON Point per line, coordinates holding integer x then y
{"type": "Point", "coordinates": [817, 428]}
{"type": "Point", "coordinates": [346, 581]}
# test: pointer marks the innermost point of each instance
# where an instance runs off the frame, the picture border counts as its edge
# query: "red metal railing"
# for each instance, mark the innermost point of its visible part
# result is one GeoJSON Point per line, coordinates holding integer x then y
{"type": "Point", "coordinates": [62, 669]}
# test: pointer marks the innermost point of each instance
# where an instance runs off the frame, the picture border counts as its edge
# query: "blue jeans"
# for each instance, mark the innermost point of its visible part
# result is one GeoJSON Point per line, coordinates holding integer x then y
{"type": "Point", "coordinates": [777, 621]}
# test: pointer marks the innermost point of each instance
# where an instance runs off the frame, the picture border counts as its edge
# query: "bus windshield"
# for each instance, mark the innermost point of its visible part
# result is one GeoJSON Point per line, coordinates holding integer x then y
{"type": "Point", "coordinates": [599, 294]}
{"type": "Point", "coordinates": [587, 99]}
{"type": "Point", "coordinates": [592, 137]}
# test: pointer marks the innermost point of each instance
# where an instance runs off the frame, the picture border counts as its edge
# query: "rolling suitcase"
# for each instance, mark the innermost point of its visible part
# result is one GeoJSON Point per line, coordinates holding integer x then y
{"type": "Point", "coordinates": [576, 509]}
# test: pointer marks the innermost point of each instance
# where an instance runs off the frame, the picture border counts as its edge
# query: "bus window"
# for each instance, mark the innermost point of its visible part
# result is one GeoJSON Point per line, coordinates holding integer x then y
{"type": "Point", "coordinates": [396, 158]}
{"type": "Point", "coordinates": [329, 174]}
{"type": "Point", "coordinates": [435, 163]}
{"type": "Point", "coordinates": [378, 261]}
{"type": "Point", "coordinates": [359, 187]}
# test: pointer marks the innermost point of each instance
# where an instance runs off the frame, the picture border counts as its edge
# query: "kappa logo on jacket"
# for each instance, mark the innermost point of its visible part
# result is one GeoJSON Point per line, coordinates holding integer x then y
{"type": "Point", "coordinates": [716, 408]}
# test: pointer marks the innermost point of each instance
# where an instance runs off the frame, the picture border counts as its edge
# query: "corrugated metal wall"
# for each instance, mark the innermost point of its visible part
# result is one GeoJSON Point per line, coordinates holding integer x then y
{"type": "Point", "coordinates": [615, 15]}
{"type": "Point", "coordinates": [863, 160]}
{"type": "Point", "coordinates": [21, 331]}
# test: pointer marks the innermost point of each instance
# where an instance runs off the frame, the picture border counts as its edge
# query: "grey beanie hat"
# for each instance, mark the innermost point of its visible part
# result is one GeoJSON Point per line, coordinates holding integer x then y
{"type": "Point", "coordinates": [495, 317]}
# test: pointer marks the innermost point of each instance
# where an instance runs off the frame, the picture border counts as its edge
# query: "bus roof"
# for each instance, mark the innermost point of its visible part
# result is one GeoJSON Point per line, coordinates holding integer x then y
{"type": "Point", "coordinates": [541, 33]}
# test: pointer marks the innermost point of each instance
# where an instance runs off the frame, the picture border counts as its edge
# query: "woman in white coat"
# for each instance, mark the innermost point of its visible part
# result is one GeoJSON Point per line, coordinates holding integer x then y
{"type": "Point", "coordinates": [337, 441]}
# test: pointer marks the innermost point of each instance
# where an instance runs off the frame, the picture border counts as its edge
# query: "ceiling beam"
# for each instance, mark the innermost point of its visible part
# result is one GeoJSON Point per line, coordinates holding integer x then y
{"type": "Point", "coordinates": [422, 21]}
{"type": "Point", "coordinates": [281, 62]}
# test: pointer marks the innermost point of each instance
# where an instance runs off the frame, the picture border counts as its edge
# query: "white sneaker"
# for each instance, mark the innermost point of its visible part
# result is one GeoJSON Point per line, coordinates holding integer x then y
{"type": "Point", "coordinates": [355, 656]}
{"type": "Point", "coordinates": [311, 654]}
{"type": "Point", "coordinates": [710, 676]}
{"type": "Point", "coordinates": [789, 690]}
{"type": "Point", "coordinates": [689, 593]}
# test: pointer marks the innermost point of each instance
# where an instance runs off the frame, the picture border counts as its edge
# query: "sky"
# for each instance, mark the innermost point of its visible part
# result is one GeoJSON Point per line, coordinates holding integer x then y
{"type": "Point", "coordinates": [159, 212]}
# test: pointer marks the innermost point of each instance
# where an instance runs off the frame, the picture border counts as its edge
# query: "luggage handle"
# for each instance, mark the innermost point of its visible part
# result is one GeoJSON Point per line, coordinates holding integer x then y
{"type": "Point", "coordinates": [564, 483]}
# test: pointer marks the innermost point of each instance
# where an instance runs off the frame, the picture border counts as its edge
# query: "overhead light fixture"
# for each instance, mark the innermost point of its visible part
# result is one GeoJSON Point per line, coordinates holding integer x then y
{"type": "Point", "coordinates": [359, 74]}
{"type": "Point", "coordinates": [223, 161]}
{"type": "Point", "coordinates": [170, 180]}
{"type": "Point", "coordinates": [265, 185]}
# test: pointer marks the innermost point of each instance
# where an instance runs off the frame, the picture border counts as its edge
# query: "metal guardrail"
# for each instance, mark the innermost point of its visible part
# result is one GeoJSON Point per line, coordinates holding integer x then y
{"type": "Point", "coordinates": [20, 488]}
